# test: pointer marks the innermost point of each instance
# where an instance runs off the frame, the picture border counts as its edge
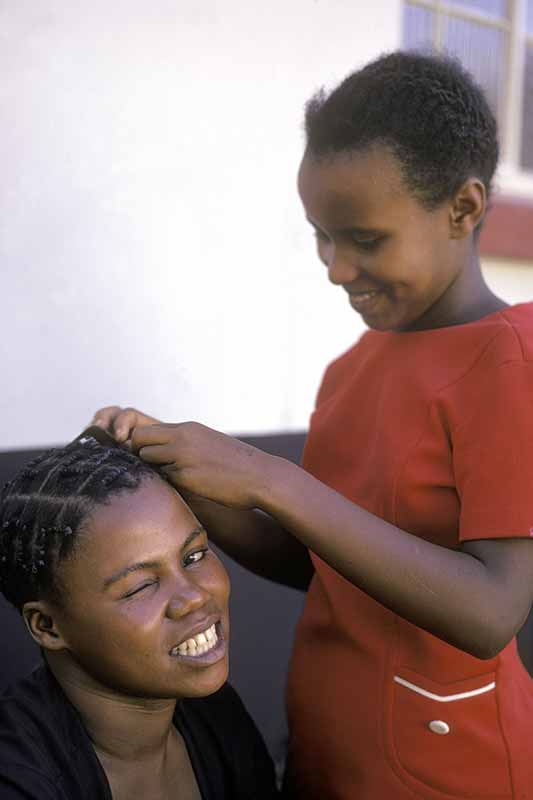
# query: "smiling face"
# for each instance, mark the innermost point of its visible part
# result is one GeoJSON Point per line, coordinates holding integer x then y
{"type": "Point", "coordinates": [145, 601]}
{"type": "Point", "coordinates": [397, 261]}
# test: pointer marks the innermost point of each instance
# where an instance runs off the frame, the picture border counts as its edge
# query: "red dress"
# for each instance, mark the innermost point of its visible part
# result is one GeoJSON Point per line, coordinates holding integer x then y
{"type": "Point", "coordinates": [433, 432]}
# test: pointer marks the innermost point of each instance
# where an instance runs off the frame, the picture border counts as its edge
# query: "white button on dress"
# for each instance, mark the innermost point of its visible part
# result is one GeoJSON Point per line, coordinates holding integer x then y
{"type": "Point", "coordinates": [439, 726]}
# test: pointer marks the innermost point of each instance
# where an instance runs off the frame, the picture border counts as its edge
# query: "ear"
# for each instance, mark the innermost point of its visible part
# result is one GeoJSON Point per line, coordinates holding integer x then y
{"type": "Point", "coordinates": [41, 622]}
{"type": "Point", "coordinates": [468, 208]}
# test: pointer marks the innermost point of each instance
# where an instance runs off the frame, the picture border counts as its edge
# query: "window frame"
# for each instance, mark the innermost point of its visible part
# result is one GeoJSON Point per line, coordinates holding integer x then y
{"type": "Point", "coordinates": [511, 173]}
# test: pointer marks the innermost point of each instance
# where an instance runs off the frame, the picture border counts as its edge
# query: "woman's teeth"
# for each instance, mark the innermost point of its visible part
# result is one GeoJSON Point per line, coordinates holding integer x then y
{"type": "Point", "coordinates": [363, 296]}
{"type": "Point", "coordinates": [197, 645]}
{"type": "Point", "coordinates": [362, 300]}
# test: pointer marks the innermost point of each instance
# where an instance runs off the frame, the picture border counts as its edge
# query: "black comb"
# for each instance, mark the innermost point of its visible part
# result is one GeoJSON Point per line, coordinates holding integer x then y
{"type": "Point", "coordinates": [94, 432]}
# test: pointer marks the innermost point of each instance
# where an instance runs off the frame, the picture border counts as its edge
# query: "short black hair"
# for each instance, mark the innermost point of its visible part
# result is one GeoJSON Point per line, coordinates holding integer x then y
{"type": "Point", "coordinates": [425, 108]}
{"type": "Point", "coordinates": [45, 506]}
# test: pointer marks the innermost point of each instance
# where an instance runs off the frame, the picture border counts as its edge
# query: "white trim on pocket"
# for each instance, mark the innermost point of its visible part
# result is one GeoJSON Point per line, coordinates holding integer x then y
{"type": "Point", "coordinates": [444, 698]}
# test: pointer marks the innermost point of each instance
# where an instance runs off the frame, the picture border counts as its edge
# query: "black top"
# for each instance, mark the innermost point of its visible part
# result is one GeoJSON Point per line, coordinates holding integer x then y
{"type": "Point", "coordinates": [46, 753]}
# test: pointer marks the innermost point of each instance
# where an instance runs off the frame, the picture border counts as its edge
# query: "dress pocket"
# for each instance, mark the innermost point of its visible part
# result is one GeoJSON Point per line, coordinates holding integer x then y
{"type": "Point", "coordinates": [448, 736]}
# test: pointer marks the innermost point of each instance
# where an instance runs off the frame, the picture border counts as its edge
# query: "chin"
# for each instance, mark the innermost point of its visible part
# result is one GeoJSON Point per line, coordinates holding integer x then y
{"type": "Point", "coordinates": [377, 326]}
{"type": "Point", "coordinates": [204, 685]}
{"type": "Point", "coordinates": [379, 323]}
{"type": "Point", "coordinates": [389, 322]}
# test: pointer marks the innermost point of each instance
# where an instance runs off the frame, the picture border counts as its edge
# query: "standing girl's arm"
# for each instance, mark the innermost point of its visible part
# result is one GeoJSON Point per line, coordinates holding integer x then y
{"type": "Point", "coordinates": [475, 598]}
{"type": "Point", "coordinates": [254, 539]}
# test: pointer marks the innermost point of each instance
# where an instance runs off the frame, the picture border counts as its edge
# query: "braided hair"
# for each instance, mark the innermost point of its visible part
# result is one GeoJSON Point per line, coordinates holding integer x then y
{"type": "Point", "coordinates": [45, 506]}
{"type": "Point", "coordinates": [426, 109]}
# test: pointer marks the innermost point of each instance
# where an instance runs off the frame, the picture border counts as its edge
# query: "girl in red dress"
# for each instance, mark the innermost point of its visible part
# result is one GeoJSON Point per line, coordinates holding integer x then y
{"type": "Point", "coordinates": [409, 524]}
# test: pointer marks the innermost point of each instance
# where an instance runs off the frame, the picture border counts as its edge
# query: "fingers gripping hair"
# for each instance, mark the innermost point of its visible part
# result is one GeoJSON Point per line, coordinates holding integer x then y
{"type": "Point", "coordinates": [44, 508]}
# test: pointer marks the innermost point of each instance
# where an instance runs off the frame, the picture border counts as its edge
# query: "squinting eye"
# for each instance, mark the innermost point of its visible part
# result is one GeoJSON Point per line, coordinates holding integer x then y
{"type": "Point", "coordinates": [368, 244]}
{"type": "Point", "coordinates": [140, 589]}
{"type": "Point", "coordinates": [193, 558]}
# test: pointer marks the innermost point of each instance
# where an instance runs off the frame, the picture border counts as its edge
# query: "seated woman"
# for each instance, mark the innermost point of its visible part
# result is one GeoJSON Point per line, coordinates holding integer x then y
{"type": "Point", "coordinates": [116, 582]}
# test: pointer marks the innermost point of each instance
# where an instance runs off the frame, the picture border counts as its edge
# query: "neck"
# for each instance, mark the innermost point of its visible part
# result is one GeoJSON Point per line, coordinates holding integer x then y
{"type": "Point", "coordinates": [122, 728]}
{"type": "Point", "coordinates": [467, 299]}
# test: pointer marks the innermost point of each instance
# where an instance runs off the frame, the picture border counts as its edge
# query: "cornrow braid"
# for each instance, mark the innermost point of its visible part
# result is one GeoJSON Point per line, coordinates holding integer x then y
{"type": "Point", "coordinates": [44, 507]}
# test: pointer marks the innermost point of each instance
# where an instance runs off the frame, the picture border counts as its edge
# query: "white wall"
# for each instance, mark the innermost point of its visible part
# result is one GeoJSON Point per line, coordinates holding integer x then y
{"type": "Point", "coordinates": [152, 247]}
{"type": "Point", "coordinates": [512, 280]}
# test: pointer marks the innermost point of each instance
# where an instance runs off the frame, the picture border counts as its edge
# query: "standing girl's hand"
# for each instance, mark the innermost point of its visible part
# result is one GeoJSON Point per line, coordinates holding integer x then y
{"type": "Point", "coordinates": [206, 466]}
{"type": "Point", "coordinates": [205, 462]}
{"type": "Point", "coordinates": [120, 422]}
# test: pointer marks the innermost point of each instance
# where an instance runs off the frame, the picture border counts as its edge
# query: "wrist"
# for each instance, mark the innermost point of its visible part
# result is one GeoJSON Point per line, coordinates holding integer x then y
{"type": "Point", "coordinates": [274, 473]}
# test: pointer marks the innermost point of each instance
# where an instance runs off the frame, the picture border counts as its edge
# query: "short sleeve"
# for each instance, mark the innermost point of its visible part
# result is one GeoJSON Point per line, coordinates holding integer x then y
{"type": "Point", "coordinates": [492, 442]}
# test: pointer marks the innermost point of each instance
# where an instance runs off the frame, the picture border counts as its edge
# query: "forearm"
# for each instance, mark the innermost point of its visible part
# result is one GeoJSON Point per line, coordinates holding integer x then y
{"type": "Point", "coordinates": [256, 541]}
{"type": "Point", "coordinates": [475, 598]}
{"type": "Point", "coordinates": [447, 592]}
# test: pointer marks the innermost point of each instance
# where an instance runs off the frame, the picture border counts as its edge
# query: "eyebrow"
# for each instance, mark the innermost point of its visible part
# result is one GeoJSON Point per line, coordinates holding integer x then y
{"type": "Point", "coordinates": [140, 565]}
{"type": "Point", "coordinates": [352, 229]}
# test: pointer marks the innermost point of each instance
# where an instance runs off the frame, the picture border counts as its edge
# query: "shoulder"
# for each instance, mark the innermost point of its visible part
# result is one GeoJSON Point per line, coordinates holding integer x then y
{"type": "Point", "coordinates": [42, 741]}
{"type": "Point", "coordinates": [27, 709]}
{"type": "Point", "coordinates": [501, 338]}
{"type": "Point", "coordinates": [471, 359]}
{"type": "Point", "coordinates": [496, 356]}
{"type": "Point", "coordinates": [516, 339]}
{"type": "Point", "coordinates": [26, 716]}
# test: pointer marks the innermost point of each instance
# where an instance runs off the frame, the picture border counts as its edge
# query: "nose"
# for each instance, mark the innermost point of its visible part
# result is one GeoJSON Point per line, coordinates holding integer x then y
{"type": "Point", "coordinates": [186, 597]}
{"type": "Point", "coordinates": [342, 266]}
